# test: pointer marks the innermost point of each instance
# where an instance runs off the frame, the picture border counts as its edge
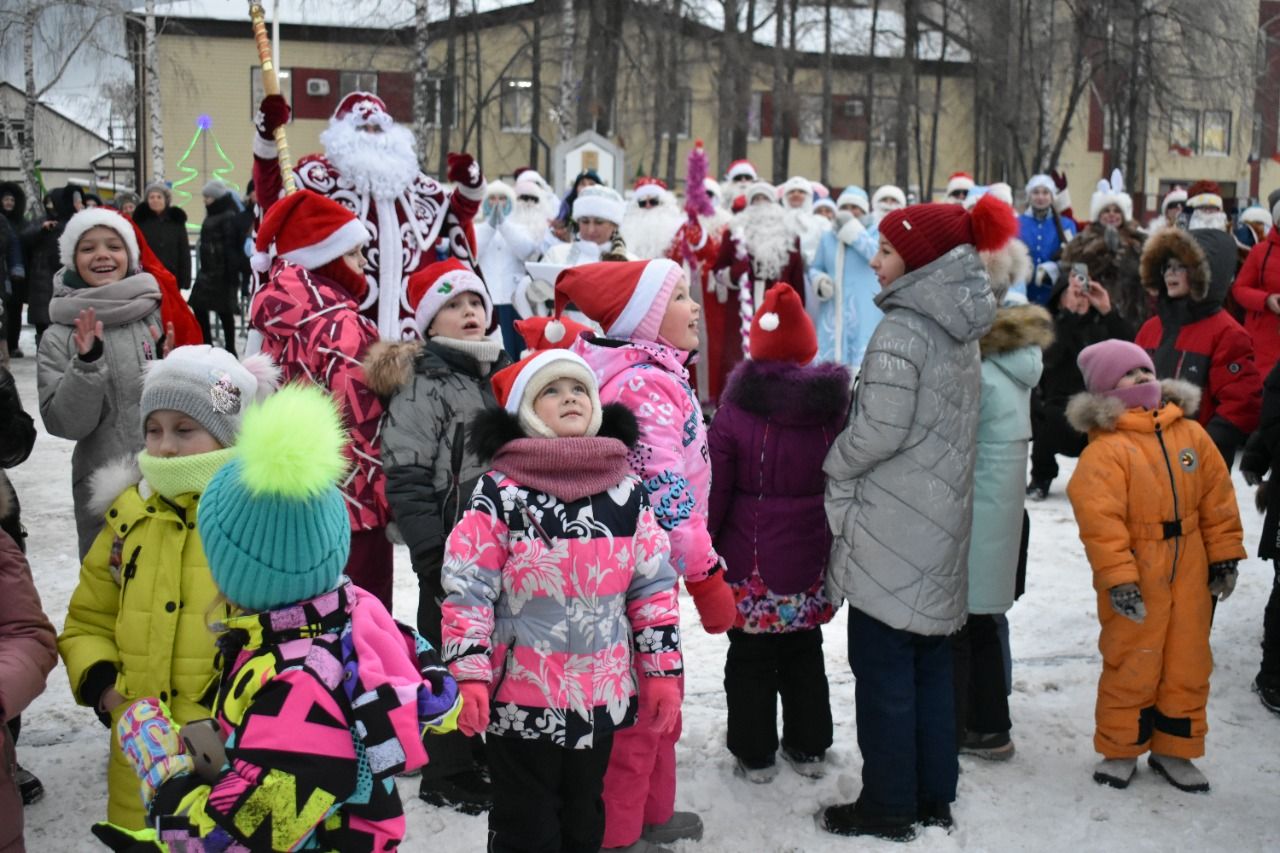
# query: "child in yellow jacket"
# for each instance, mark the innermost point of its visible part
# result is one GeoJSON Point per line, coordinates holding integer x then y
{"type": "Point", "coordinates": [138, 620]}
{"type": "Point", "coordinates": [1161, 528]}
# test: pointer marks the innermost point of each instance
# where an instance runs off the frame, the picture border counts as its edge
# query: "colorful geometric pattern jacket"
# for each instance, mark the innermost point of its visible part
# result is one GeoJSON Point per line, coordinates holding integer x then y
{"type": "Point", "coordinates": [312, 328]}
{"type": "Point", "coordinates": [557, 603]}
{"type": "Point", "coordinates": [671, 456]}
{"type": "Point", "coordinates": [321, 703]}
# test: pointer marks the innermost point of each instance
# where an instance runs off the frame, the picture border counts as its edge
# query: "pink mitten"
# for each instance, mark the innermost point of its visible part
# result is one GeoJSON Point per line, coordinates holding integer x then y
{"type": "Point", "coordinates": [715, 603]}
{"type": "Point", "coordinates": [474, 717]}
{"type": "Point", "coordinates": [149, 740]}
{"type": "Point", "coordinates": [659, 703]}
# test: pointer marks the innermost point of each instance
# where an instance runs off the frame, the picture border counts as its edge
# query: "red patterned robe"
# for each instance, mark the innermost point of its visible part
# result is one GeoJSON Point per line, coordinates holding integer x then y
{"type": "Point", "coordinates": [312, 329]}
{"type": "Point", "coordinates": [697, 248]}
{"type": "Point", "coordinates": [422, 214]}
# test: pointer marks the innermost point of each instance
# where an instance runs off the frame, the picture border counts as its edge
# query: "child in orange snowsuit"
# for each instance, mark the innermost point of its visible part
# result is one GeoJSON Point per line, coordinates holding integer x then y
{"type": "Point", "coordinates": [1161, 528]}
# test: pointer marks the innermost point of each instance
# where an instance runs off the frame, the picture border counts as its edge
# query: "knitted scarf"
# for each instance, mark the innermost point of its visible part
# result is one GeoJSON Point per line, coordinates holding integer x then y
{"type": "Point", "coordinates": [115, 304]}
{"type": "Point", "coordinates": [566, 468]}
{"type": "Point", "coordinates": [485, 351]}
{"type": "Point", "coordinates": [180, 475]}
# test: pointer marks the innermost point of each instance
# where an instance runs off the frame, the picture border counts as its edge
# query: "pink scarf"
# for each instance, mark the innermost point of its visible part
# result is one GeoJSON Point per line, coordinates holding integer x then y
{"type": "Point", "coordinates": [566, 468]}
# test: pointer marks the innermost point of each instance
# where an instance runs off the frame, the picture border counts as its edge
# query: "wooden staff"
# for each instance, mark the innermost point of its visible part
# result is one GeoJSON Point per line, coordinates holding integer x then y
{"type": "Point", "coordinates": [271, 86]}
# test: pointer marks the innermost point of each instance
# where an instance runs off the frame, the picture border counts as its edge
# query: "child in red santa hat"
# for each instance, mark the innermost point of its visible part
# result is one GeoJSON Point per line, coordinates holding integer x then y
{"type": "Point", "coordinates": [778, 415]}
{"type": "Point", "coordinates": [650, 322]}
{"type": "Point", "coordinates": [308, 314]}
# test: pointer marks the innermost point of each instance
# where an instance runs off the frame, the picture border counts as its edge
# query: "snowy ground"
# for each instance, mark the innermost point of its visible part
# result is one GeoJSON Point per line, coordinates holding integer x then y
{"type": "Point", "coordinates": [1042, 800]}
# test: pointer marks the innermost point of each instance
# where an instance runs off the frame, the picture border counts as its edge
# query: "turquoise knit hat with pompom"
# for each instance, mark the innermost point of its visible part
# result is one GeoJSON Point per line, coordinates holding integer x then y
{"type": "Point", "coordinates": [274, 525]}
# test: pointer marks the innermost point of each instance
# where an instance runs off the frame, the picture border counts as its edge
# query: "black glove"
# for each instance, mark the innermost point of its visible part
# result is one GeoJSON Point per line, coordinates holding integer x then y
{"type": "Point", "coordinates": [1222, 578]}
{"type": "Point", "coordinates": [1253, 478]}
{"type": "Point", "coordinates": [434, 671]}
{"type": "Point", "coordinates": [1126, 599]}
{"type": "Point", "coordinates": [124, 840]}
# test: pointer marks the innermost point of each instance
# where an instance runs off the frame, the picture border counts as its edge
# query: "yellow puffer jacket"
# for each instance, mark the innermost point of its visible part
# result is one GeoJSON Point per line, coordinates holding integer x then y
{"type": "Point", "coordinates": [143, 605]}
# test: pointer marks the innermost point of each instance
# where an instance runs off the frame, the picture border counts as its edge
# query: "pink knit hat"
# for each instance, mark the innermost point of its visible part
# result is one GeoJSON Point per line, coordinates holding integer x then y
{"type": "Point", "coordinates": [1104, 364]}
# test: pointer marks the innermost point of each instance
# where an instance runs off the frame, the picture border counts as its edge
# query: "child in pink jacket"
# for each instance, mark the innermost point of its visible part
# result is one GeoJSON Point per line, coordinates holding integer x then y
{"type": "Point", "coordinates": [560, 621]}
{"type": "Point", "coordinates": [651, 330]}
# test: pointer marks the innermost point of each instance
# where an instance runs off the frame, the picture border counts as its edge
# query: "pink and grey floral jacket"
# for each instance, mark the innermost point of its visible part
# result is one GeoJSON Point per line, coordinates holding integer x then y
{"type": "Point", "coordinates": [312, 328]}
{"type": "Point", "coordinates": [554, 602]}
{"type": "Point", "coordinates": [671, 456]}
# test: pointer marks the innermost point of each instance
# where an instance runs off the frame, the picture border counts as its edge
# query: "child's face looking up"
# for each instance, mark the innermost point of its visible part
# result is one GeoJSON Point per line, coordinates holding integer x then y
{"type": "Point", "coordinates": [171, 433]}
{"type": "Point", "coordinates": [888, 264]}
{"type": "Point", "coordinates": [1137, 376]}
{"type": "Point", "coordinates": [680, 322]}
{"type": "Point", "coordinates": [101, 257]}
{"type": "Point", "coordinates": [355, 259]}
{"type": "Point", "coordinates": [565, 407]}
{"type": "Point", "coordinates": [461, 318]}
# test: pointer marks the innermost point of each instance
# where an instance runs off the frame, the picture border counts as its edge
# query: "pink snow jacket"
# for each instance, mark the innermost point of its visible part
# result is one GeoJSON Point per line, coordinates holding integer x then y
{"type": "Point", "coordinates": [548, 600]}
{"type": "Point", "coordinates": [671, 456]}
{"type": "Point", "coordinates": [300, 686]}
{"type": "Point", "coordinates": [312, 328]}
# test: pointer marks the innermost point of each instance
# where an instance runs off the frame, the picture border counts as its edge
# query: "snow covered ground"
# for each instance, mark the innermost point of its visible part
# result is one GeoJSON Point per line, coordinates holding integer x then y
{"type": "Point", "coordinates": [1043, 799]}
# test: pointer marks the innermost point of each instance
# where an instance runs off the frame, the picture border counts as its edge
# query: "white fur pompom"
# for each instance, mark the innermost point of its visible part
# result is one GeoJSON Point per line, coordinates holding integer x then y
{"type": "Point", "coordinates": [554, 332]}
{"type": "Point", "coordinates": [769, 321]}
{"type": "Point", "coordinates": [261, 262]}
{"type": "Point", "coordinates": [264, 370]}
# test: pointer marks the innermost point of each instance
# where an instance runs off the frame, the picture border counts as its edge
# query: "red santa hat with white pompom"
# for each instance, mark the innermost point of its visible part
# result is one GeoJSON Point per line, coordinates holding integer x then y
{"type": "Point", "coordinates": [364, 102]}
{"type": "Point", "coordinates": [781, 330]}
{"type": "Point", "coordinates": [307, 229]}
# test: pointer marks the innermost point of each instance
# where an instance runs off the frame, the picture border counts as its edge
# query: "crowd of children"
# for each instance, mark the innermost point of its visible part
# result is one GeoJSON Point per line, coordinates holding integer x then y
{"type": "Point", "coordinates": [231, 623]}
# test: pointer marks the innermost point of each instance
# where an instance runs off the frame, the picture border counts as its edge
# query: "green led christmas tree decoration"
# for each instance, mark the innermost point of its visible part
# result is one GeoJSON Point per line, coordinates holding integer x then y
{"type": "Point", "coordinates": [203, 135]}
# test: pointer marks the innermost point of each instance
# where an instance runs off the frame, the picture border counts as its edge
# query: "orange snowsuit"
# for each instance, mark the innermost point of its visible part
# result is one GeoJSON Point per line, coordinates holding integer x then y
{"type": "Point", "coordinates": [1155, 506]}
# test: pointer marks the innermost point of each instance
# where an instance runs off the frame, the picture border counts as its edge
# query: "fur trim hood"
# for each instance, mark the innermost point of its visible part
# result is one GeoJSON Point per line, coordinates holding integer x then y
{"type": "Point", "coordinates": [1018, 326]}
{"type": "Point", "coordinates": [1175, 243]}
{"type": "Point", "coordinates": [491, 429]}
{"type": "Point", "coordinates": [1087, 411]}
{"type": "Point", "coordinates": [112, 480]}
{"type": "Point", "coordinates": [19, 198]}
{"type": "Point", "coordinates": [1007, 265]}
{"type": "Point", "coordinates": [388, 365]}
{"type": "Point", "coordinates": [143, 214]}
{"type": "Point", "coordinates": [790, 393]}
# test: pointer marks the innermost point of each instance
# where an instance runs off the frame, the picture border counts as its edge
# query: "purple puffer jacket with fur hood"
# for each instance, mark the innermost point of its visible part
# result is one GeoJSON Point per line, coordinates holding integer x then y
{"type": "Point", "coordinates": [768, 440]}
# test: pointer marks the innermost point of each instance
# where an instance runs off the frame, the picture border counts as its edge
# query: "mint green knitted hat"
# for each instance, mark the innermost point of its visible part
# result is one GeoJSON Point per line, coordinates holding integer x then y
{"type": "Point", "coordinates": [274, 525]}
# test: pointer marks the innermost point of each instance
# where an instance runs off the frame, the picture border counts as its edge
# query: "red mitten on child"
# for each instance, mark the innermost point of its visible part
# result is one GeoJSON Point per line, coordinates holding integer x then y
{"type": "Point", "coordinates": [659, 702]}
{"type": "Point", "coordinates": [715, 602]}
{"type": "Point", "coordinates": [474, 717]}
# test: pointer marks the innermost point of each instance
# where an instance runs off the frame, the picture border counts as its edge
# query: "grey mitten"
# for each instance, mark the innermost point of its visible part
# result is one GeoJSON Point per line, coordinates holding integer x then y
{"type": "Point", "coordinates": [1222, 579]}
{"type": "Point", "coordinates": [1126, 599]}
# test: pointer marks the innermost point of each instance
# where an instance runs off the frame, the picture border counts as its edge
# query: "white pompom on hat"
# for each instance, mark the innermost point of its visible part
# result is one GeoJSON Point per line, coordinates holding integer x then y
{"type": "Point", "coordinates": [97, 217]}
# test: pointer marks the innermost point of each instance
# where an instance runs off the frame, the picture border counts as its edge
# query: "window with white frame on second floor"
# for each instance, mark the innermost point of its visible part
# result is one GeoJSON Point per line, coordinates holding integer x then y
{"type": "Point", "coordinates": [357, 81]}
{"type": "Point", "coordinates": [18, 137]}
{"type": "Point", "coordinates": [1215, 133]}
{"type": "Point", "coordinates": [442, 101]}
{"type": "Point", "coordinates": [517, 105]}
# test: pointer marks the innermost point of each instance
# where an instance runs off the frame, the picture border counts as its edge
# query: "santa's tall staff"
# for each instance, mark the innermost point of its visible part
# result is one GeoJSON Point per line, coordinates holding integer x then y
{"type": "Point", "coordinates": [271, 86]}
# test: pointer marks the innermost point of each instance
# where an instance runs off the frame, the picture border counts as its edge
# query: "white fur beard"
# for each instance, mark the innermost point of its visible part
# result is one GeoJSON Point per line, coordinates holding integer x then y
{"type": "Point", "coordinates": [649, 233]}
{"type": "Point", "coordinates": [716, 222]}
{"type": "Point", "coordinates": [763, 229]}
{"type": "Point", "coordinates": [803, 223]}
{"type": "Point", "coordinates": [381, 164]}
{"type": "Point", "coordinates": [1213, 221]}
{"type": "Point", "coordinates": [529, 218]}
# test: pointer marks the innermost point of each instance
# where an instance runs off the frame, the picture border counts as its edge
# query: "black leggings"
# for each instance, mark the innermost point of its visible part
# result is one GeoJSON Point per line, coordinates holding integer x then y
{"type": "Point", "coordinates": [228, 320]}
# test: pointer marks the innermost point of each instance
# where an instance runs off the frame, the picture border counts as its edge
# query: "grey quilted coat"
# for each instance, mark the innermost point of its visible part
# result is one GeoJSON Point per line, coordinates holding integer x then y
{"type": "Point", "coordinates": [900, 476]}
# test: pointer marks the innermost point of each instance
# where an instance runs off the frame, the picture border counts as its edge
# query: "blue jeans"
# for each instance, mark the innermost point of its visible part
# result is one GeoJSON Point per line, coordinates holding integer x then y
{"type": "Point", "coordinates": [905, 705]}
{"type": "Point", "coordinates": [511, 340]}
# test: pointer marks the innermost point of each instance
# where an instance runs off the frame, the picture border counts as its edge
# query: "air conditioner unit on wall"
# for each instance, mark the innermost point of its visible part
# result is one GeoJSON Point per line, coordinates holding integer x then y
{"type": "Point", "coordinates": [317, 87]}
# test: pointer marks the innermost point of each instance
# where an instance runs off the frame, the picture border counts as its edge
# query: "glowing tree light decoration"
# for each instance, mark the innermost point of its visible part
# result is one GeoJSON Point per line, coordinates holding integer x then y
{"type": "Point", "coordinates": [221, 172]}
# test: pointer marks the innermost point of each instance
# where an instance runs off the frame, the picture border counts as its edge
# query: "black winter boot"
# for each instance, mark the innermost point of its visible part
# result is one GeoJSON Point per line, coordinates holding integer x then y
{"type": "Point", "coordinates": [467, 792]}
{"type": "Point", "coordinates": [856, 819]}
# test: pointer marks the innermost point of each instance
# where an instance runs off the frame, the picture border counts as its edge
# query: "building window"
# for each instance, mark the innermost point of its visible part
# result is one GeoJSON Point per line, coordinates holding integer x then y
{"type": "Point", "coordinates": [754, 116]}
{"type": "Point", "coordinates": [884, 124]}
{"type": "Point", "coordinates": [517, 106]}
{"type": "Point", "coordinates": [357, 81]}
{"type": "Point", "coordinates": [19, 134]}
{"type": "Point", "coordinates": [256, 93]}
{"type": "Point", "coordinates": [811, 119]}
{"type": "Point", "coordinates": [442, 101]}
{"type": "Point", "coordinates": [684, 115]}
{"type": "Point", "coordinates": [1184, 132]}
{"type": "Point", "coordinates": [1216, 133]}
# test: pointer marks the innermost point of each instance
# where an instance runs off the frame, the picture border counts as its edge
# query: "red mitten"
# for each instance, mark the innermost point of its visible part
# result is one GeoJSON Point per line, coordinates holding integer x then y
{"type": "Point", "coordinates": [659, 703]}
{"type": "Point", "coordinates": [474, 717]}
{"type": "Point", "coordinates": [465, 171]}
{"type": "Point", "coordinates": [273, 112]}
{"type": "Point", "coordinates": [1059, 180]}
{"type": "Point", "coordinates": [716, 606]}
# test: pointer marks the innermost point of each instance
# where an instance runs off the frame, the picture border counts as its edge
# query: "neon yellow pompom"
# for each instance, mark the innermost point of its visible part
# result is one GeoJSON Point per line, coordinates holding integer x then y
{"type": "Point", "coordinates": [291, 444]}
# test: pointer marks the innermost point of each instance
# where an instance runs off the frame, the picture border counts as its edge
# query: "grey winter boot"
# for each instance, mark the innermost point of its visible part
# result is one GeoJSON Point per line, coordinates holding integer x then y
{"type": "Point", "coordinates": [1180, 772]}
{"type": "Point", "coordinates": [679, 826]}
{"type": "Point", "coordinates": [1115, 772]}
{"type": "Point", "coordinates": [761, 774]}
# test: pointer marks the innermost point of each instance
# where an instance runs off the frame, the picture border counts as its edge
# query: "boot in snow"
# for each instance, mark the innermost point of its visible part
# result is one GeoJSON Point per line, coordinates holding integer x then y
{"type": "Point", "coordinates": [679, 826]}
{"type": "Point", "coordinates": [1179, 772]}
{"type": "Point", "coordinates": [993, 746]}
{"type": "Point", "coordinates": [640, 846]}
{"type": "Point", "coordinates": [853, 819]}
{"type": "Point", "coordinates": [1268, 695]}
{"type": "Point", "coordinates": [757, 772]}
{"type": "Point", "coordinates": [31, 789]}
{"type": "Point", "coordinates": [935, 814]}
{"type": "Point", "coordinates": [1115, 772]}
{"type": "Point", "coordinates": [806, 764]}
{"type": "Point", "coordinates": [467, 792]}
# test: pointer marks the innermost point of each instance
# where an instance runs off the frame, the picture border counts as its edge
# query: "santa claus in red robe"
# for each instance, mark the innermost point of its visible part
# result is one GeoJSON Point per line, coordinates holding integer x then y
{"type": "Point", "coordinates": [369, 164]}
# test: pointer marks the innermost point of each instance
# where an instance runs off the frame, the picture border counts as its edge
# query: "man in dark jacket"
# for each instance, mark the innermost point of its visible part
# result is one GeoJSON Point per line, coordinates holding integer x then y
{"type": "Point", "coordinates": [1191, 337]}
{"type": "Point", "coordinates": [165, 229]}
{"type": "Point", "coordinates": [13, 273]}
{"type": "Point", "coordinates": [1082, 315]}
{"type": "Point", "coordinates": [217, 286]}
{"type": "Point", "coordinates": [40, 248]}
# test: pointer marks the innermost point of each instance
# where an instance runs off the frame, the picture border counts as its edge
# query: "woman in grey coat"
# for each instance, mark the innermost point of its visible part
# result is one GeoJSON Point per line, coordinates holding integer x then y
{"type": "Point", "coordinates": [106, 327]}
{"type": "Point", "coordinates": [900, 503]}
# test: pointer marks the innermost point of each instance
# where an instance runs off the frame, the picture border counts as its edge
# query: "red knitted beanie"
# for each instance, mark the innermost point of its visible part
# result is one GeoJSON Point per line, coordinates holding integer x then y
{"type": "Point", "coordinates": [923, 233]}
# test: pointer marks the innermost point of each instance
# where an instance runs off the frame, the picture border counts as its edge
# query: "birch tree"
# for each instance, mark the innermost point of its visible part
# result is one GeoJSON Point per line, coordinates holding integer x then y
{"type": "Point", "coordinates": [152, 69]}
